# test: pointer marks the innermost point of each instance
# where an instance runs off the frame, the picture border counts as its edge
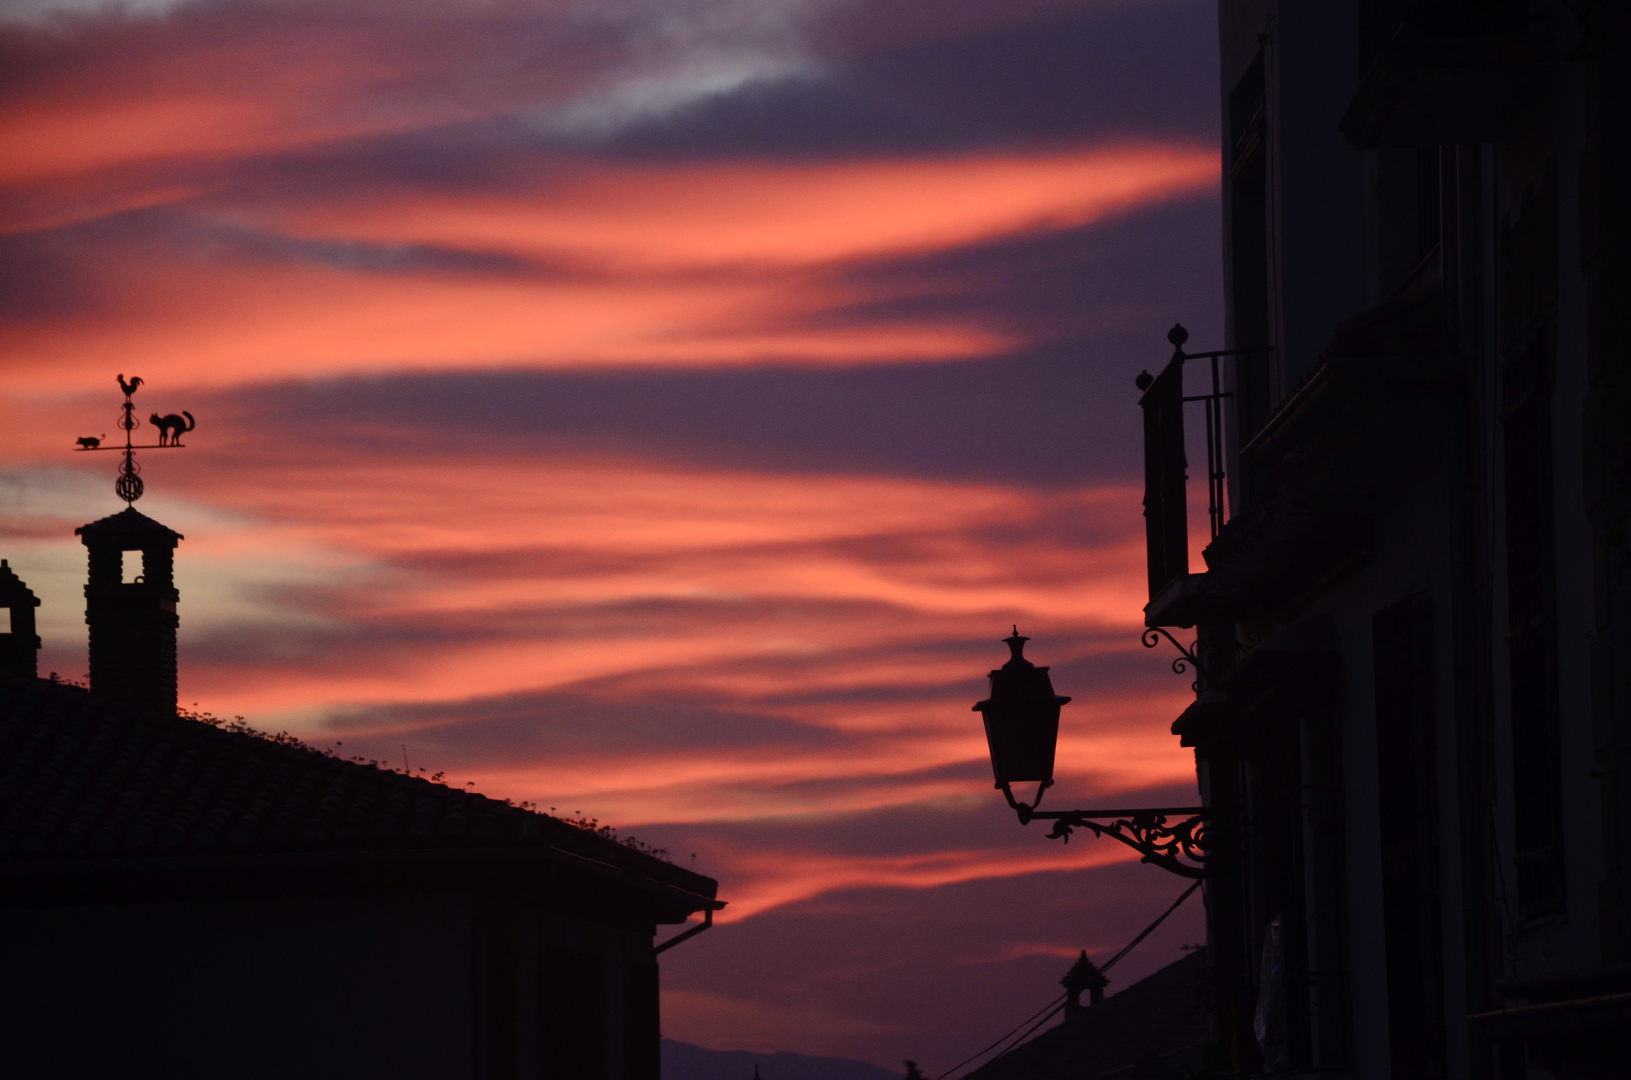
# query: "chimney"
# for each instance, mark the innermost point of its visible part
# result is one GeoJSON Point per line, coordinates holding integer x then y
{"type": "Point", "coordinates": [19, 644]}
{"type": "Point", "coordinates": [130, 607]}
{"type": "Point", "coordinates": [1083, 975]}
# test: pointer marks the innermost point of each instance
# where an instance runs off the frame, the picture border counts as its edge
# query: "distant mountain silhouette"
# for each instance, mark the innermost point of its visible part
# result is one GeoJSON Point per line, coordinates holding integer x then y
{"type": "Point", "coordinates": [682, 1061]}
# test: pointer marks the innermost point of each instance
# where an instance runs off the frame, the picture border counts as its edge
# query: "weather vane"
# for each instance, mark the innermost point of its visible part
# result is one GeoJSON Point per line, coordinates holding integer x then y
{"type": "Point", "coordinates": [171, 428]}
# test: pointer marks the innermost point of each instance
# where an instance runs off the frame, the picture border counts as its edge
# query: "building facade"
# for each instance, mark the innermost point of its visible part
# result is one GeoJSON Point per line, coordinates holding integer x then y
{"type": "Point", "coordinates": [190, 900]}
{"type": "Point", "coordinates": [1412, 606]}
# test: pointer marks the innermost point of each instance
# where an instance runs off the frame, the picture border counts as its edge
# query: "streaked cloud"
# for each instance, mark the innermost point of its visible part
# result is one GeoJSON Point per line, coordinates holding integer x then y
{"type": "Point", "coordinates": [47, 11]}
{"type": "Point", "coordinates": [700, 266]}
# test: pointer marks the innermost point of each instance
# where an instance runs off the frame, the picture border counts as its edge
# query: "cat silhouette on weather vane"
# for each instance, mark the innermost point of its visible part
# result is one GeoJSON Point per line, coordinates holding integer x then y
{"type": "Point", "coordinates": [170, 427]}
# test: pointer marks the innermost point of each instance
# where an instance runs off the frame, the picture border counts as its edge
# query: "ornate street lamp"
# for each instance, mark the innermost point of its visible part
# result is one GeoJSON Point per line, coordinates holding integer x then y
{"type": "Point", "coordinates": [1022, 731]}
{"type": "Point", "coordinates": [1021, 719]}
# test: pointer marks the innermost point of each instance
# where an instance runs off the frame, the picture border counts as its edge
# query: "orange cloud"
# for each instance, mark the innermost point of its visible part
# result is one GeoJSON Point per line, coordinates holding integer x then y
{"type": "Point", "coordinates": [649, 247]}
{"type": "Point", "coordinates": [728, 214]}
{"type": "Point", "coordinates": [660, 533]}
{"type": "Point", "coordinates": [206, 86]}
{"type": "Point", "coordinates": [785, 878]}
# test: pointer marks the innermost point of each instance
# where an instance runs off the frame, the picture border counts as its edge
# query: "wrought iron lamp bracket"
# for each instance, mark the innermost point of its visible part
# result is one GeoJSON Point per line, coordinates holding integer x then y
{"type": "Point", "coordinates": [1180, 847]}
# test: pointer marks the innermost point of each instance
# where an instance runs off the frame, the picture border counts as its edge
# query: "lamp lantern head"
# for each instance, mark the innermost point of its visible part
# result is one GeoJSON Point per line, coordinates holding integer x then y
{"type": "Point", "coordinates": [1021, 719]}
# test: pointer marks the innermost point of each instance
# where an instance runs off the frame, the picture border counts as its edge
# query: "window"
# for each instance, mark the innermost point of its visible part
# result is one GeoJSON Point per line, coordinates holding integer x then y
{"type": "Point", "coordinates": [572, 999]}
{"type": "Point", "coordinates": [503, 1026]}
{"type": "Point", "coordinates": [1528, 299]}
{"type": "Point", "coordinates": [1407, 789]}
{"type": "Point", "coordinates": [640, 1022]}
{"type": "Point", "coordinates": [1249, 283]}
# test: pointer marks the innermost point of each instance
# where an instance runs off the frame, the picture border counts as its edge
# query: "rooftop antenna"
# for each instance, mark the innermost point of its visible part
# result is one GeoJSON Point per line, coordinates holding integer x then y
{"type": "Point", "coordinates": [129, 485]}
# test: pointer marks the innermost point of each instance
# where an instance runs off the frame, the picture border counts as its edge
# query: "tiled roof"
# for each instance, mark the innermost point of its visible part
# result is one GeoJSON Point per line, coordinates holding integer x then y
{"type": "Point", "coordinates": [1156, 1017]}
{"type": "Point", "coordinates": [129, 524]}
{"type": "Point", "coordinates": [83, 778]}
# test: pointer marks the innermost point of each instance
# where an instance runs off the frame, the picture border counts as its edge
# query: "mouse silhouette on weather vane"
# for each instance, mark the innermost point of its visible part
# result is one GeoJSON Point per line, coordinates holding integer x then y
{"type": "Point", "coordinates": [170, 428]}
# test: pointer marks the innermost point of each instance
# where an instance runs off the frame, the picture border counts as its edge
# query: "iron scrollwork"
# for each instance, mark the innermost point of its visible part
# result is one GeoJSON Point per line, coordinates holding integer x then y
{"type": "Point", "coordinates": [1180, 847]}
{"type": "Point", "coordinates": [1152, 637]}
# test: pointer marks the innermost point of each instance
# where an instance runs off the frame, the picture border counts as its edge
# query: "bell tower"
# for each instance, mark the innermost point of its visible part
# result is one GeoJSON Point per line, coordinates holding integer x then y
{"type": "Point", "coordinates": [19, 644]}
{"type": "Point", "coordinates": [130, 607]}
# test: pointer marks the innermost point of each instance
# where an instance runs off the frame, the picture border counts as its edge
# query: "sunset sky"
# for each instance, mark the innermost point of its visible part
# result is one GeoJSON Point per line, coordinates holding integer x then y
{"type": "Point", "coordinates": [654, 409]}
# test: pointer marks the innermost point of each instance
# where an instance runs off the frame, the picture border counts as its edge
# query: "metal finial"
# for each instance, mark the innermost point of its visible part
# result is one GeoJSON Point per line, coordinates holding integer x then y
{"type": "Point", "coordinates": [1178, 335]}
{"type": "Point", "coordinates": [1016, 647]}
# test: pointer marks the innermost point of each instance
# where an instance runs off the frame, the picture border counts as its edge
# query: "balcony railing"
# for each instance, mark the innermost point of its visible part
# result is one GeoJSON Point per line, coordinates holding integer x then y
{"type": "Point", "coordinates": [1166, 458]}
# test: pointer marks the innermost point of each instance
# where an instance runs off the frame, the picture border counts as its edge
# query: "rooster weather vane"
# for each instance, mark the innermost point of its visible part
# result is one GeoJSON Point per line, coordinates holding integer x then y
{"type": "Point", "coordinates": [171, 428]}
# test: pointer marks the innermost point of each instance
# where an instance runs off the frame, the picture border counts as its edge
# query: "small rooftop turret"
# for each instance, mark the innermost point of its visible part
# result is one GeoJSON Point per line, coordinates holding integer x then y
{"type": "Point", "coordinates": [1084, 974]}
{"type": "Point", "coordinates": [19, 644]}
{"type": "Point", "coordinates": [130, 608]}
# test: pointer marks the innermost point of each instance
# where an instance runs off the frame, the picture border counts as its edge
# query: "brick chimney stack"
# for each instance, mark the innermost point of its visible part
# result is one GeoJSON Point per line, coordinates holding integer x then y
{"type": "Point", "coordinates": [130, 607]}
{"type": "Point", "coordinates": [19, 644]}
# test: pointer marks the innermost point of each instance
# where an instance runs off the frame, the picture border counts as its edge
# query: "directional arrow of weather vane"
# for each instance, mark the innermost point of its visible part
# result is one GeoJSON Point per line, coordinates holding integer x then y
{"type": "Point", "coordinates": [171, 428]}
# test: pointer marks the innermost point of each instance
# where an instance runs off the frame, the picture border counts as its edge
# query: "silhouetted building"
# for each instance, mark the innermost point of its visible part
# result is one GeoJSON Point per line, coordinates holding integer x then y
{"type": "Point", "coordinates": [1414, 616]}
{"type": "Point", "coordinates": [1156, 1027]}
{"type": "Point", "coordinates": [184, 899]}
{"type": "Point", "coordinates": [1084, 974]}
{"type": "Point", "coordinates": [19, 644]}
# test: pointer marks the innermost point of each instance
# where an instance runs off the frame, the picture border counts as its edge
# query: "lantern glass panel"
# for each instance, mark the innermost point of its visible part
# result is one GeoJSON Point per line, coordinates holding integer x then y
{"type": "Point", "coordinates": [1022, 737]}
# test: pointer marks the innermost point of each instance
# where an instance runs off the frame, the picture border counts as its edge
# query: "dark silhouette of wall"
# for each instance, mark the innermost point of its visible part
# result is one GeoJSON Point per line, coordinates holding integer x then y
{"type": "Point", "coordinates": [19, 644]}
{"type": "Point", "coordinates": [184, 900]}
{"type": "Point", "coordinates": [326, 987]}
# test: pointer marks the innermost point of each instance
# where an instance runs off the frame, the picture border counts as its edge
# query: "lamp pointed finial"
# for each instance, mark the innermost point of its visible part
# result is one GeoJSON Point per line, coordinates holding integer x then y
{"type": "Point", "coordinates": [1016, 647]}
